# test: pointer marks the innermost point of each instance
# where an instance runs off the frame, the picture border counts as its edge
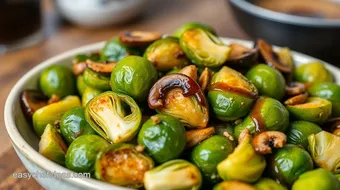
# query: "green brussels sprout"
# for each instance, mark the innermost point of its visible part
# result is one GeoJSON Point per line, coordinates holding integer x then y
{"type": "Point", "coordinates": [174, 174]}
{"type": "Point", "coordinates": [244, 164]}
{"type": "Point", "coordinates": [288, 163]}
{"type": "Point", "coordinates": [133, 76]}
{"type": "Point", "coordinates": [114, 50]}
{"type": "Point", "coordinates": [267, 114]}
{"type": "Point", "coordinates": [231, 95]}
{"type": "Point", "coordinates": [324, 149]}
{"type": "Point", "coordinates": [89, 94]}
{"type": "Point", "coordinates": [328, 91]}
{"type": "Point", "coordinates": [178, 33]}
{"type": "Point", "coordinates": [269, 81]}
{"type": "Point", "coordinates": [58, 80]}
{"type": "Point", "coordinates": [53, 112]}
{"type": "Point", "coordinates": [234, 185]}
{"type": "Point", "coordinates": [209, 153]}
{"type": "Point", "coordinates": [166, 54]}
{"type": "Point", "coordinates": [83, 57]}
{"type": "Point", "coordinates": [318, 179]}
{"type": "Point", "coordinates": [268, 184]}
{"type": "Point", "coordinates": [163, 137]}
{"type": "Point", "coordinates": [122, 164]}
{"type": "Point", "coordinates": [73, 124]}
{"type": "Point", "coordinates": [82, 153]}
{"type": "Point", "coordinates": [81, 85]}
{"type": "Point", "coordinates": [312, 73]}
{"type": "Point", "coordinates": [52, 146]}
{"type": "Point", "coordinates": [337, 176]}
{"type": "Point", "coordinates": [115, 117]}
{"type": "Point", "coordinates": [96, 80]}
{"type": "Point", "coordinates": [315, 109]}
{"type": "Point", "coordinates": [299, 131]}
{"type": "Point", "coordinates": [203, 48]}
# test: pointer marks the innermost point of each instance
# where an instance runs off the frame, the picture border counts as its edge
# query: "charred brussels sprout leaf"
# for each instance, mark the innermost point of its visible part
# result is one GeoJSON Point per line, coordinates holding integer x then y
{"type": "Point", "coordinates": [96, 80]}
{"type": "Point", "coordinates": [318, 179]}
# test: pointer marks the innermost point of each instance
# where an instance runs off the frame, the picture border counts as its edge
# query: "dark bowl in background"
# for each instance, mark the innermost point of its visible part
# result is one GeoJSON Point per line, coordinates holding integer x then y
{"type": "Point", "coordinates": [314, 36]}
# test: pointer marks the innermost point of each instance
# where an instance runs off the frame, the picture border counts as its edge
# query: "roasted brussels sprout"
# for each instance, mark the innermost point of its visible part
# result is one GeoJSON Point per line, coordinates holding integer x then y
{"type": "Point", "coordinates": [288, 163]}
{"type": "Point", "coordinates": [244, 163]}
{"type": "Point", "coordinates": [234, 185]}
{"type": "Point", "coordinates": [96, 80]}
{"type": "Point", "coordinates": [81, 85]}
{"type": "Point", "coordinates": [58, 80]}
{"type": "Point", "coordinates": [133, 76]}
{"type": "Point", "coordinates": [73, 124]}
{"type": "Point", "coordinates": [312, 73]}
{"type": "Point", "coordinates": [316, 110]}
{"type": "Point", "coordinates": [267, 114]}
{"type": "Point", "coordinates": [122, 164]}
{"type": "Point", "coordinates": [285, 56]}
{"type": "Point", "coordinates": [82, 153]}
{"type": "Point", "coordinates": [203, 48]}
{"type": "Point", "coordinates": [230, 94]}
{"type": "Point", "coordinates": [318, 179]}
{"type": "Point", "coordinates": [175, 174]}
{"type": "Point", "coordinates": [95, 56]}
{"type": "Point", "coordinates": [178, 33]}
{"type": "Point", "coordinates": [114, 50]}
{"type": "Point", "coordinates": [324, 148]}
{"type": "Point", "coordinates": [268, 184]}
{"type": "Point", "coordinates": [328, 91]}
{"type": "Point", "coordinates": [209, 153]}
{"type": "Point", "coordinates": [115, 117]}
{"type": "Point", "coordinates": [31, 101]}
{"type": "Point", "coordinates": [242, 57]}
{"type": "Point", "coordinates": [166, 54]}
{"type": "Point", "coordinates": [53, 112]}
{"type": "Point", "coordinates": [268, 81]}
{"type": "Point", "coordinates": [181, 97]}
{"type": "Point", "coordinates": [52, 146]}
{"type": "Point", "coordinates": [89, 94]}
{"type": "Point", "coordinates": [163, 137]}
{"type": "Point", "coordinates": [196, 136]}
{"type": "Point", "coordinates": [299, 131]}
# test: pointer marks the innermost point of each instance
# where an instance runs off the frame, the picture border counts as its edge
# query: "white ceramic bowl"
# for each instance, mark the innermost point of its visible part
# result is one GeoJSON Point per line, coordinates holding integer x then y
{"type": "Point", "coordinates": [25, 142]}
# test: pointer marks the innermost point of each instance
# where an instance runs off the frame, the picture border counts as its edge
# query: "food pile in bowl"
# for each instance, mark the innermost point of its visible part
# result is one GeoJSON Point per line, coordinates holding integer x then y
{"type": "Point", "coordinates": [188, 111]}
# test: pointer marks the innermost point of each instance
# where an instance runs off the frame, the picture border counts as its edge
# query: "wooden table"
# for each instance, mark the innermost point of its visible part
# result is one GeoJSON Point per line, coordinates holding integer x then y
{"type": "Point", "coordinates": [164, 16]}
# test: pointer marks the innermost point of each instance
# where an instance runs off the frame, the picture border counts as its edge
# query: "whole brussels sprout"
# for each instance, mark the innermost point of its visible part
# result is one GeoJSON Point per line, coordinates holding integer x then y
{"type": "Point", "coordinates": [324, 148]}
{"type": "Point", "coordinates": [116, 117]}
{"type": "Point", "coordinates": [58, 80]}
{"type": "Point", "coordinates": [299, 131]}
{"type": "Point", "coordinates": [82, 153]}
{"type": "Point", "coordinates": [52, 146]}
{"type": "Point", "coordinates": [114, 50]}
{"type": "Point", "coordinates": [163, 137]}
{"type": "Point", "coordinates": [81, 85]}
{"type": "Point", "coordinates": [234, 185]}
{"type": "Point", "coordinates": [73, 124]}
{"type": "Point", "coordinates": [203, 48]}
{"type": "Point", "coordinates": [288, 163]}
{"type": "Point", "coordinates": [166, 54]}
{"type": "Point", "coordinates": [96, 80]}
{"type": "Point", "coordinates": [174, 174]}
{"type": "Point", "coordinates": [328, 91]}
{"type": "Point", "coordinates": [178, 33]}
{"type": "Point", "coordinates": [316, 110]}
{"type": "Point", "coordinates": [89, 94]}
{"type": "Point", "coordinates": [133, 76]}
{"type": "Point", "coordinates": [268, 81]}
{"type": "Point", "coordinates": [312, 73]}
{"type": "Point", "coordinates": [318, 179]}
{"type": "Point", "coordinates": [268, 184]}
{"type": "Point", "coordinates": [209, 153]}
{"type": "Point", "coordinates": [53, 112]}
{"type": "Point", "coordinates": [231, 95]}
{"type": "Point", "coordinates": [122, 164]}
{"type": "Point", "coordinates": [267, 114]}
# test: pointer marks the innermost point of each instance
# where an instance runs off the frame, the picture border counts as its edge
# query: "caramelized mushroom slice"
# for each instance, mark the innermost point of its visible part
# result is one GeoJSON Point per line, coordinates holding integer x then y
{"type": "Point", "coordinates": [190, 71]}
{"type": "Point", "coordinates": [298, 99]}
{"type": "Point", "coordinates": [79, 68]}
{"type": "Point", "coordinates": [295, 88]}
{"type": "Point", "coordinates": [139, 38]}
{"type": "Point", "coordinates": [332, 126]}
{"type": "Point", "coordinates": [100, 67]}
{"type": "Point", "coordinates": [265, 141]}
{"type": "Point", "coordinates": [196, 136]}
{"type": "Point", "coordinates": [54, 98]}
{"type": "Point", "coordinates": [241, 56]}
{"type": "Point", "coordinates": [31, 101]}
{"type": "Point", "coordinates": [204, 79]}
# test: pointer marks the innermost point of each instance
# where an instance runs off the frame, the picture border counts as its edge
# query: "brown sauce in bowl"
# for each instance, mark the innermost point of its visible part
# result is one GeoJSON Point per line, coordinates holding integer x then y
{"type": "Point", "coordinates": [306, 8]}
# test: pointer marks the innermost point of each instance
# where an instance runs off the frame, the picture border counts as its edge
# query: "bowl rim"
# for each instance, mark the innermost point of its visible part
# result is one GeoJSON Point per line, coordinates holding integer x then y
{"type": "Point", "coordinates": [282, 17]}
{"type": "Point", "coordinates": [31, 154]}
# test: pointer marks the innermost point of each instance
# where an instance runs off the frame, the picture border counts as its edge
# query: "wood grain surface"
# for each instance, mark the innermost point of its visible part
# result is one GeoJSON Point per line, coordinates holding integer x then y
{"type": "Point", "coordinates": [60, 36]}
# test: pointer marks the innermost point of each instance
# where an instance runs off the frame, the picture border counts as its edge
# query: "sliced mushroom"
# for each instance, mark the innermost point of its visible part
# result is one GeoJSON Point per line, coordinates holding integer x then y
{"type": "Point", "coordinates": [100, 67]}
{"type": "Point", "coordinates": [54, 98]}
{"type": "Point", "coordinates": [333, 126]}
{"type": "Point", "coordinates": [265, 141]}
{"type": "Point", "coordinates": [295, 88]}
{"type": "Point", "coordinates": [196, 136]}
{"type": "Point", "coordinates": [190, 71]}
{"type": "Point", "coordinates": [79, 68]}
{"type": "Point", "coordinates": [139, 38]}
{"type": "Point", "coordinates": [241, 57]}
{"type": "Point", "coordinates": [204, 79]}
{"type": "Point", "coordinates": [31, 101]}
{"type": "Point", "coordinates": [298, 99]}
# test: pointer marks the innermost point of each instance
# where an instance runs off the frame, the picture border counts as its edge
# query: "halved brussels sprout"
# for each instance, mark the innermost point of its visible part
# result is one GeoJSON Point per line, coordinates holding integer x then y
{"type": "Point", "coordinates": [163, 137]}
{"type": "Point", "coordinates": [324, 148]}
{"type": "Point", "coordinates": [242, 57]}
{"type": "Point", "coordinates": [234, 185]}
{"type": "Point", "coordinates": [122, 164]}
{"type": "Point", "coordinates": [231, 95]}
{"type": "Point", "coordinates": [81, 85]}
{"type": "Point", "coordinates": [52, 146]}
{"type": "Point", "coordinates": [178, 33]}
{"type": "Point", "coordinates": [114, 50]}
{"type": "Point", "coordinates": [89, 94]}
{"type": "Point", "coordinates": [312, 73]}
{"type": "Point", "coordinates": [244, 163]}
{"type": "Point", "coordinates": [288, 163]}
{"type": "Point", "coordinates": [181, 97]}
{"type": "Point", "coordinates": [108, 116]}
{"type": "Point", "coordinates": [267, 114]}
{"type": "Point", "coordinates": [174, 174]}
{"type": "Point", "coordinates": [268, 184]}
{"type": "Point", "coordinates": [31, 101]}
{"type": "Point", "coordinates": [96, 80]}
{"type": "Point", "coordinates": [318, 179]}
{"type": "Point", "coordinates": [53, 112]}
{"type": "Point", "coordinates": [299, 131]}
{"type": "Point", "coordinates": [203, 48]}
{"type": "Point", "coordinates": [316, 110]}
{"type": "Point", "coordinates": [166, 54]}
